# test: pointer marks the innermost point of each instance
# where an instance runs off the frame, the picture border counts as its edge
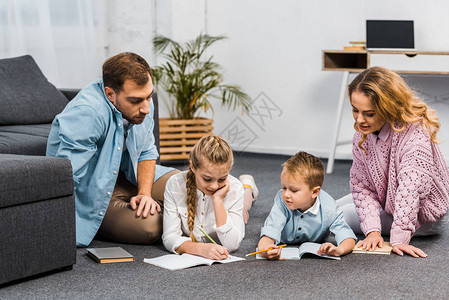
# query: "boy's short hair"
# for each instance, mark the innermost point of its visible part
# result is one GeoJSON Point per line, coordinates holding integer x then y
{"type": "Point", "coordinates": [308, 167]}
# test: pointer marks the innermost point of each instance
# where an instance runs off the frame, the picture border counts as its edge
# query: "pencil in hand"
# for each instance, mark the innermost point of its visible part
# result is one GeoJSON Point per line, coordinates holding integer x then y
{"type": "Point", "coordinates": [268, 249]}
{"type": "Point", "coordinates": [206, 235]}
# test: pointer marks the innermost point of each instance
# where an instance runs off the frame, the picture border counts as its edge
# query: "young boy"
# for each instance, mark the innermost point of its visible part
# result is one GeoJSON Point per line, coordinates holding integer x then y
{"type": "Point", "coordinates": [302, 212]}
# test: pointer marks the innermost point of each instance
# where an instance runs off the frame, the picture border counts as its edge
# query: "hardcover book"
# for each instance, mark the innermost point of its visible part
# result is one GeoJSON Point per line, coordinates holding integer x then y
{"type": "Point", "coordinates": [109, 255]}
{"type": "Point", "coordinates": [386, 249]}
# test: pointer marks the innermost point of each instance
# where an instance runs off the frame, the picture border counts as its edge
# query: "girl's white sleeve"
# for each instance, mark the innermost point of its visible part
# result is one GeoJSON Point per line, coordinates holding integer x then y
{"type": "Point", "coordinates": [232, 233]}
{"type": "Point", "coordinates": [172, 236]}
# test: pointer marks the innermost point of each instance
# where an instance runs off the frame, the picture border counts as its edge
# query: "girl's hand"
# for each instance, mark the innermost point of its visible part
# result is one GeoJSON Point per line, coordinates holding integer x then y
{"type": "Point", "coordinates": [372, 240]}
{"type": "Point", "coordinates": [221, 192]}
{"type": "Point", "coordinates": [409, 249]}
{"type": "Point", "coordinates": [330, 249]}
{"type": "Point", "coordinates": [273, 254]}
{"type": "Point", "coordinates": [212, 251]}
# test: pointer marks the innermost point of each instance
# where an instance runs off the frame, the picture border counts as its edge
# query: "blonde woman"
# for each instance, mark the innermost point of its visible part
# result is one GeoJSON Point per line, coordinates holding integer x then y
{"type": "Point", "coordinates": [399, 177]}
{"type": "Point", "coordinates": [207, 197]}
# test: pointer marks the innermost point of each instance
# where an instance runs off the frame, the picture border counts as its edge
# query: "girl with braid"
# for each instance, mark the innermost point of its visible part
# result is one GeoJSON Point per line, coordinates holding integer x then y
{"type": "Point", "coordinates": [399, 177]}
{"type": "Point", "coordinates": [207, 197]}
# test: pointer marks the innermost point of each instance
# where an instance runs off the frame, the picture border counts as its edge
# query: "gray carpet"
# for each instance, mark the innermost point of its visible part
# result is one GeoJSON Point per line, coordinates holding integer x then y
{"type": "Point", "coordinates": [356, 276]}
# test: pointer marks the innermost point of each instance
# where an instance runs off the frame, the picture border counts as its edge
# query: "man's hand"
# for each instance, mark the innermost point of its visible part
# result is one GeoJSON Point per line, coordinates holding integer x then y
{"type": "Point", "coordinates": [144, 205]}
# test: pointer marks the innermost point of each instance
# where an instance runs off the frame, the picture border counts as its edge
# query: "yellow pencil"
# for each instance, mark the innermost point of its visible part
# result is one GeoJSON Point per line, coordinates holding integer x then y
{"type": "Point", "coordinates": [268, 249]}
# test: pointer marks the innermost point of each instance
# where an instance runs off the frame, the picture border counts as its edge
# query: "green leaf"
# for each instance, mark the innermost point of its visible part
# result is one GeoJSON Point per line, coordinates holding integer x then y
{"type": "Point", "coordinates": [191, 80]}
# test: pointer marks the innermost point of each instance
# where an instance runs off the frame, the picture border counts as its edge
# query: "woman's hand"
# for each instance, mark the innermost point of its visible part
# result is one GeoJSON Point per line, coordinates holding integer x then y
{"type": "Point", "coordinates": [212, 251]}
{"type": "Point", "coordinates": [399, 249]}
{"type": "Point", "coordinates": [372, 240]}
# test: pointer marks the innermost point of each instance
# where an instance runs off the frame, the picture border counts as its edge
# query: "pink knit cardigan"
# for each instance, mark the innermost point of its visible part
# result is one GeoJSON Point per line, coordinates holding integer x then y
{"type": "Point", "coordinates": [406, 175]}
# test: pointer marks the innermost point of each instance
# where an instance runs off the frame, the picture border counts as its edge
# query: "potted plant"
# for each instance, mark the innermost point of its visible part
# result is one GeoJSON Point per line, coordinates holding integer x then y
{"type": "Point", "coordinates": [190, 80]}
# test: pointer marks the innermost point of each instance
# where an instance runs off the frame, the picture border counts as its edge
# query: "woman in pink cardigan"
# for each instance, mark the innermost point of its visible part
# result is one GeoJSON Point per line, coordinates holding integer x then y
{"type": "Point", "coordinates": [399, 178]}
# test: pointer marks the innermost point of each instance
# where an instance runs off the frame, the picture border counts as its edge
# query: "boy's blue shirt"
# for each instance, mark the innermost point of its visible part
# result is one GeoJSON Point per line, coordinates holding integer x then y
{"type": "Point", "coordinates": [293, 227]}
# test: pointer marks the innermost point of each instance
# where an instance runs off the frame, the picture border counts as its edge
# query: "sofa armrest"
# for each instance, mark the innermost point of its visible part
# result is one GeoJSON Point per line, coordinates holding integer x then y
{"type": "Point", "coordinates": [69, 93]}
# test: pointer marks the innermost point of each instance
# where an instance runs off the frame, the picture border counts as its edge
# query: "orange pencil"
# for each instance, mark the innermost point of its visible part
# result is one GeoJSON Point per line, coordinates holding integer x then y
{"type": "Point", "coordinates": [268, 249]}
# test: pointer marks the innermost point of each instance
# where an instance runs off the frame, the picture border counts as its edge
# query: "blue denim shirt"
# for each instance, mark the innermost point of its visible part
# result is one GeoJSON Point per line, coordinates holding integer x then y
{"type": "Point", "coordinates": [314, 225]}
{"type": "Point", "coordinates": [89, 132]}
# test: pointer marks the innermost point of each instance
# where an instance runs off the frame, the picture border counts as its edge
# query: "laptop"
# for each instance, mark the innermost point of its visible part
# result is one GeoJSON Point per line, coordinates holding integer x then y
{"type": "Point", "coordinates": [390, 35]}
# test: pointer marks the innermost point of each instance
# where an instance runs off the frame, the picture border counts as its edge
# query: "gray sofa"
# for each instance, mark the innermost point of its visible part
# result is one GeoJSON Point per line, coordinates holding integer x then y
{"type": "Point", "coordinates": [37, 208]}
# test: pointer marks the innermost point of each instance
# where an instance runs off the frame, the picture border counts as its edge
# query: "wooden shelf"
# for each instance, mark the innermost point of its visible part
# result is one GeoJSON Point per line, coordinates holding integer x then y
{"type": "Point", "coordinates": [348, 60]}
{"type": "Point", "coordinates": [407, 62]}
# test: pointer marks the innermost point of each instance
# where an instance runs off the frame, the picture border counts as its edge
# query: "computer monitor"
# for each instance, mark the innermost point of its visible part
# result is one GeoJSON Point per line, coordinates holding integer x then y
{"type": "Point", "coordinates": [390, 35]}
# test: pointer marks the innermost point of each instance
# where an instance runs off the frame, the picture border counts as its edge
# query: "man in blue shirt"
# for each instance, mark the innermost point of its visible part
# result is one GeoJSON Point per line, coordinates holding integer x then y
{"type": "Point", "coordinates": [106, 132]}
{"type": "Point", "coordinates": [302, 212]}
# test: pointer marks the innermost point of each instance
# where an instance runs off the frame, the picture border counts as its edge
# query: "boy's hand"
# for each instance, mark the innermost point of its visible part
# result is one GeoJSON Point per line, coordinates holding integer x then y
{"type": "Point", "coordinates": [330, 249]}
{"type": "Point", "coordinates": [265, 243]}
{"type": "Point", "coordinates": [273, 254]}
{"type": "Point", "coordinates": [345, 247]}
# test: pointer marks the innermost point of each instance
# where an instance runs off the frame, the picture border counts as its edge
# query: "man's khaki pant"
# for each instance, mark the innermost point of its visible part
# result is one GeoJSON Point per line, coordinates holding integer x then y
{"type": "Point", "coordinates": [121, 223]}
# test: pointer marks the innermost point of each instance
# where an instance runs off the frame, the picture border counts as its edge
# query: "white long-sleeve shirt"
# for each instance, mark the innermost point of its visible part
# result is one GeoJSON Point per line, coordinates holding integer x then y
{"type": "Point", "coordinates": [176, 229]}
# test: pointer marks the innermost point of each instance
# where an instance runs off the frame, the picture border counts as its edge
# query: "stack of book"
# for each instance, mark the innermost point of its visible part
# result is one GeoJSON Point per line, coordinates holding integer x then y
{"type": "Point", "coordinates": [356, 46]}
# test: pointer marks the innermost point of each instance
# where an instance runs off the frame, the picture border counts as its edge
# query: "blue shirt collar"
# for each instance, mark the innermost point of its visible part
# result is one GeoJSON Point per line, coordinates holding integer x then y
{"type": "Point", "coordinates": [112, 106]}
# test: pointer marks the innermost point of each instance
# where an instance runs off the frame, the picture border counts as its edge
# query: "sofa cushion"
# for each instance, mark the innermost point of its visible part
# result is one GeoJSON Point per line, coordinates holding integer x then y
{"type": "Point", "coordinates": [36, 129]}
{"type": "Point", "coordinates": [26, 96]}
{"type": "Point", "coordinates": [27, 179]}
{"type": "Point", "coordinates": [22, 143]}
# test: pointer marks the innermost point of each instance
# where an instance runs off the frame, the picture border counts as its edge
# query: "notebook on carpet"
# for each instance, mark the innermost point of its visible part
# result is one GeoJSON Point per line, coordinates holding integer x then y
{"type": "Point", "coordinates": [294, 253]}
{"type": "Point", "coordinates": [177, 262]}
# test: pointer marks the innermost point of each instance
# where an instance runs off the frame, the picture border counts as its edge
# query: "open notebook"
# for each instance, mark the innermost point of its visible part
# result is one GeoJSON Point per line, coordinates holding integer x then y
{"type": "Point", "coordinates": [177, 262]}
{"type": "Point", "coordinates": [296, 253]}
